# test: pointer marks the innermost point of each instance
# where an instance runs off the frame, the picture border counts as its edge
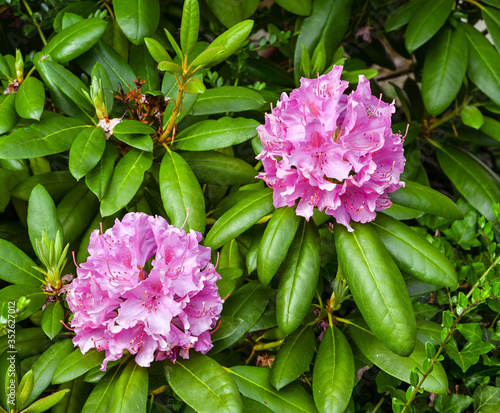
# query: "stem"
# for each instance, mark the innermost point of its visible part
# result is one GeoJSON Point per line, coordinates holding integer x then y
{"type": "Point", "coordinates": [478, 283]}
{"type": "Point", "coordinates": [379, 404]}
{"type": "Point", "coordinates": [177, 109]}
{"type": "Point", "coordinates": [268, 346]}
{"type": "Point", "coordinates": [35, 23]}
{"type": "Point", "coordinates": [395, 74]}
{"type": "Point", "coordinates": [443, 120]}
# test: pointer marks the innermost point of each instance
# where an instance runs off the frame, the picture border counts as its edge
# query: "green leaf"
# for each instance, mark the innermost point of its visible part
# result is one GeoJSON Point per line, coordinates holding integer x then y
{"type": "Point", "coordinates": [416, 196]}
{"type": "Point", "coordinates": [213, 167]}
{"type": "Point", "coordinates": [472, 116]}
{"type": "Point", "coordinates": [444, 69]}
{"type": "Point", "coordinates": [402, 15]}
{"type": "Point", "coordinates": [486, 399]}
{"type": "Point", "coordinates": [230, 12]}
{"type": "Point", "coordinates": [327, 23]}
{"type": "Point", "coordinates": [46, 403]}
{"type": "Point", "coordinates": [86, 151]}
{"type": "Point", "coordinates": [14, 292]}
{"type": "Point", "coordinates": [45, 365]}
{"type": "Point", "coordinates": [181, 193]}
{"type": "Point", "coordinates": [130, 394]}
{"type": "Point", "coordinates": [42, 138]}
{"type": "Point", "coordinates": [4, 67]}
{"type": "Point", "coordinates": [30, 99]}
{"type": "Point", "coordinates": [75, 40]}
{"type": "Point", "coordinates": [126, 181]}
{"type": "Point", "coordinates": [98, 178]}
{"type": "Point", "coordinates": [333, 375]}
{"type": "Point", "coordinates": [25, 387]}
{"type": "Point", "coordinates": [51, 319]}
{"type": "Point", "coordinates": [492, 19]}
{"type": "Point", "coordinates": [57, 183]}
{"type": "Point", "coordinates": [239, 218]}
{"type": "Point", "coordinates": [98, 400]}
{"type": "Point", "coordinates": [169, 67]}
{"type": "Point", "coordinates": [29, 341]}
{"type": "Point", "coordinates": [16, 267]}
{"type": "Point", "coordinates": [227, 99]}
{"type": "Point", "coordinates": [203, 384]}
{"type": "Point", "coordinates": [299, 7]}
{"type": "Point", "coordinates": [299, 279]}
{"type": "Point", "coordinates": [132, 127]}
{"type": "Point", "coordinates": [275, 242]}
{"type": "Point", "coordinates": [243, 309]}
{"type": "Point", "coordinates": [413, 254]}
{"type": "Point", "coordinates": [77, 364]}
{"type": "Point", "coordinates": [253, 382]}
{"type": "Point", "coordinates": [144, 67]}
{"type": "Point", "coordinates": [395, 365]}
{"type": "Point", "coordinates": [483, 61]}
{"type": "Point", "coordinates": [293, 357]}
{"type": "Point", "coordinates": [491, 127]}
{"type": "Point", "coordinates": [208, 56]}
{"type": "Point", "coordinates": [8, 114]}
{"type": "Point", "coordinates": [469, 354]}
{"type": "Point", "coordinates": [216, 134]}
{"type": "Point", "coordinates": [426, 21]}
{"type": "Point", "coordinates": [174, 45]}
{"type": "Point", "coordinates": [190, 25]}
{"type": "Point", "coordinates": [157, 51]}
{"type": "Point", "coordinates": [478, 184]}
{"type": "Point", "coordinates": [377, 286]}
{"type": "Point", "coordinates": [137, 18]}
{"type": "Point", "coordinates": [194, 86]}
{"type": "Point", "coordinates": [42, 216]}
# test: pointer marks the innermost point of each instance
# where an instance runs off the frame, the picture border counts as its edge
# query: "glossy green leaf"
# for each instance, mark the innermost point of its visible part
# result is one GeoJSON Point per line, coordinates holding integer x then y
{"type": "Point", "coordinates": [203, 384]}
{"type": "Point", "coordinates": [25, 387]}
{"type": "Point", "coordinates": [293, 357]}
{"type": "Point", "coordinates": [98, 400]}
{"type": "Point", "coordinates": [253, 249]}
{"type": "Point", "coordinates": [444, 69]}
{"type": "Point", "coordinates": [483, 63]}
{"type": "Point", "coordinates": [130, 394]}
{"type": "Point", "coordinates": [402, 15]}
{"type": "Point", "coordinates": [491, 127]}
{"type": "Point", "coordinates": [486, 399]}
{"type": "Point", "coordinates": [395, 365]}
{"type": "Point", "coordinates": [472, 116]}
{"type": "Point", "coordinates": [76, 364]}
{"type": "Point", "coordinates": [157, 51]}
{"type": "Point", "coordinates": [423, 198]}
{"type": "Point", "coordinates": [227, 99]}
{"type": "Point", "coordinates": [144, 67]}
{"type": "Point", "coordinates": [30, 99]}
{"type": "Point", "coordinates": [137, 18]}
{"type": "Point", "coordinates": [413, 254]}
{"type": "Point", "coordinates": [14, 292]}
{"type": "Point", "coordinates": [475, 181]}
{"type": "Point", "coordinates": [253, 382]}
{"type": "Point", "coordinates": [44, 404]}
{"type": "Point", "coordinates": [126, 181]}
{"type": "Point", "coordinates": [86, 151]}
{"type": "Point", "coordinates": [57, 183]}
{"type": "Point", "coordinates": [327, 23]}
{"type": "Point", "coordinates": [243, 309]}
{"type": "Point", "coordinates": [216, 134]}
{"type": "Point", "coordinates": [452, 403]}
{"type": "Point", "coordinates": [190, 25]}
{"type": "Point", "coordinates": [8, 114]}
{"type": "Point", "coordinates": [275, 242]}
{"type": "Point", "coordinates": [29, 341]}
{"type": "Point", "coordinates": [300, 276]}
{"type": "Point", "coordinates": [231, 40]}
{"type": "Point", "coordinates": [239, 218]}
{"type": "Point", "coordinates": [98, 178]}
{"type": "Point", "coordinates": [333, 375]}
{"type": "Point", "coordinates": [51, 319]}
{"type": "Point", "coordinates": [42, 138]}
{"type": "Point", "coordinates": [181, 193]}
{"type": "Point", "coordinates": [426, 21]}
{"type": "Point", "coordinates": [469, 354]}
{"type": "Point", "coordinates": [4, 67]}
{"type": "Point", "coordinates": [492, 19]}
{"type": "Point", "coordinates": [169, 67]}
{"type": "Point", "coordinates": [132, 127]}
{"type": "Point", "coordinates": [377, 286]}
{"type": "Point", "coordinates": [213, 167]}
{"type": "Point", "coordinates": [16, 267]}
{"type": "Point", "coordinates": [230, 12]}
{"type": "Point", "coordinates": [208, 56]}
{"type": "Point", "coordinates": [299, 7]}
{"type": "Point", "coordinates": [194, 86]}
{"type": "Point", "coordinates": [42, 216]}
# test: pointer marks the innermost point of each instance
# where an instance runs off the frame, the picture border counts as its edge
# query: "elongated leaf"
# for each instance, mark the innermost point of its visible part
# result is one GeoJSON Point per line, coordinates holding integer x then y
{"type": "Point", "coordinates": [99, 72]}
{"type": "Point", "coordinates": [126, 181]}
{"type": "Point", "coordinates": [30, 99]}
{"type": "Point", "coordinates": [157, 51]}
{"type": "Point", "coordinates": [299, 278]}
{"type": "Point", "coordinates": [413, 254]}
{"type": "Point", "coordinates": [253, 382]}
{"type": "Point", "coordinates": [492, 19]}
{"type": "Point", "coordinates": [377, 286]}
{"type": "Point", "coordinates": [98, 400]}
{"type": "Point", "coordinates": [444, 69]}
{"type": "Point", "coordinates": [402, 15]}
{"type": "Point", "coordinates": [181, 193]}
{"type": "Point", "coordinates": [293, 357]}
{"type": "Point", "coordinates": [145, 67]}
{"type": "Point", "coordinates": [239, 218]}
{"type": "Point", "coordinates": [426, 22]}
{"type": "Point", "coordinates": [29, 341]}
{"type": "Point", "coordinates": [300, 7]}
{"type": "Point", "coordinates": [57, 183]}
{"type": "Point", "coordinates": [333, 375]}
{"type": "Point", "coordinates": [231, 40]}
{"type": "Point", "coordinates": [275, 242]}
{"type": "Point", "coordinates": [86, 151]}
{"type": "Point", "coordinates": [426, 199]}
{"type": "Point", "coordinates": [16, 267]}
{"type": "Point", "coordinates": [8, 114]}
{"type": "Point", "coordinates": [12, 293]}
{"type": "Point", "coordinates": [137, 18]}
{"type": "Point", "coordinates": [475, 181]}
{"type": "Point", "coordinates": [230, 12]}
{"type": "Point", "coordinates": [51, 319]}
{"type": "Point", "coordinates": [42, 138]}
{"type": "Point", "coordinates": [98, 178]}
{"type": "Point", "coordinates": [483, 61]}
{"type": "Point", "coordinates": [203, 384]}
{"type": "Point", "coordinates": [227, 99]}
{"type": "Point", "coordinates": [190, 25]}
{"type": "Point", "coordinates": [395, 365]}
{"type": "Point", "coordinates": [76, 364]}
{"type": "Point", "coordinates": [216, 134]}
{"type": "Point", "coordinates": [130, 393]}
{"type": "Point", "coordinates": [46, 403]}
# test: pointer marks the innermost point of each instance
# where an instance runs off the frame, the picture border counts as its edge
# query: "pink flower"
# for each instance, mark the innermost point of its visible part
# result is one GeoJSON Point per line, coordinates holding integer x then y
{"type": "Point", "coordinates": [331, 150]}
{"type": "Point", "coordinates": [118, 305]}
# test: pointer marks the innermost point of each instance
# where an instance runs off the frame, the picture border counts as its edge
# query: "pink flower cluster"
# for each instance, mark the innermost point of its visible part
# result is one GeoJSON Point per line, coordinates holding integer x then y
{"type": "Point", "coordinates": [118, 305]}
{"type": "Point", "coordinates": [332, 150]}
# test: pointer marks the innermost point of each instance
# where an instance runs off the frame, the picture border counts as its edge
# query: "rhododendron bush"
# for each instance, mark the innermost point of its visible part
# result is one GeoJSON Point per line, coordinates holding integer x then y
{"type": "Point", "coordinates": [227, 206]}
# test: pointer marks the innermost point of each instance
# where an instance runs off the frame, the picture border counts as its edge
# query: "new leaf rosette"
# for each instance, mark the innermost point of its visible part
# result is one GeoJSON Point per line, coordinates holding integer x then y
{"type": "Point", "coordinates": [118, 305]}
{"type": "Point", "coordinates": [332, 150]}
